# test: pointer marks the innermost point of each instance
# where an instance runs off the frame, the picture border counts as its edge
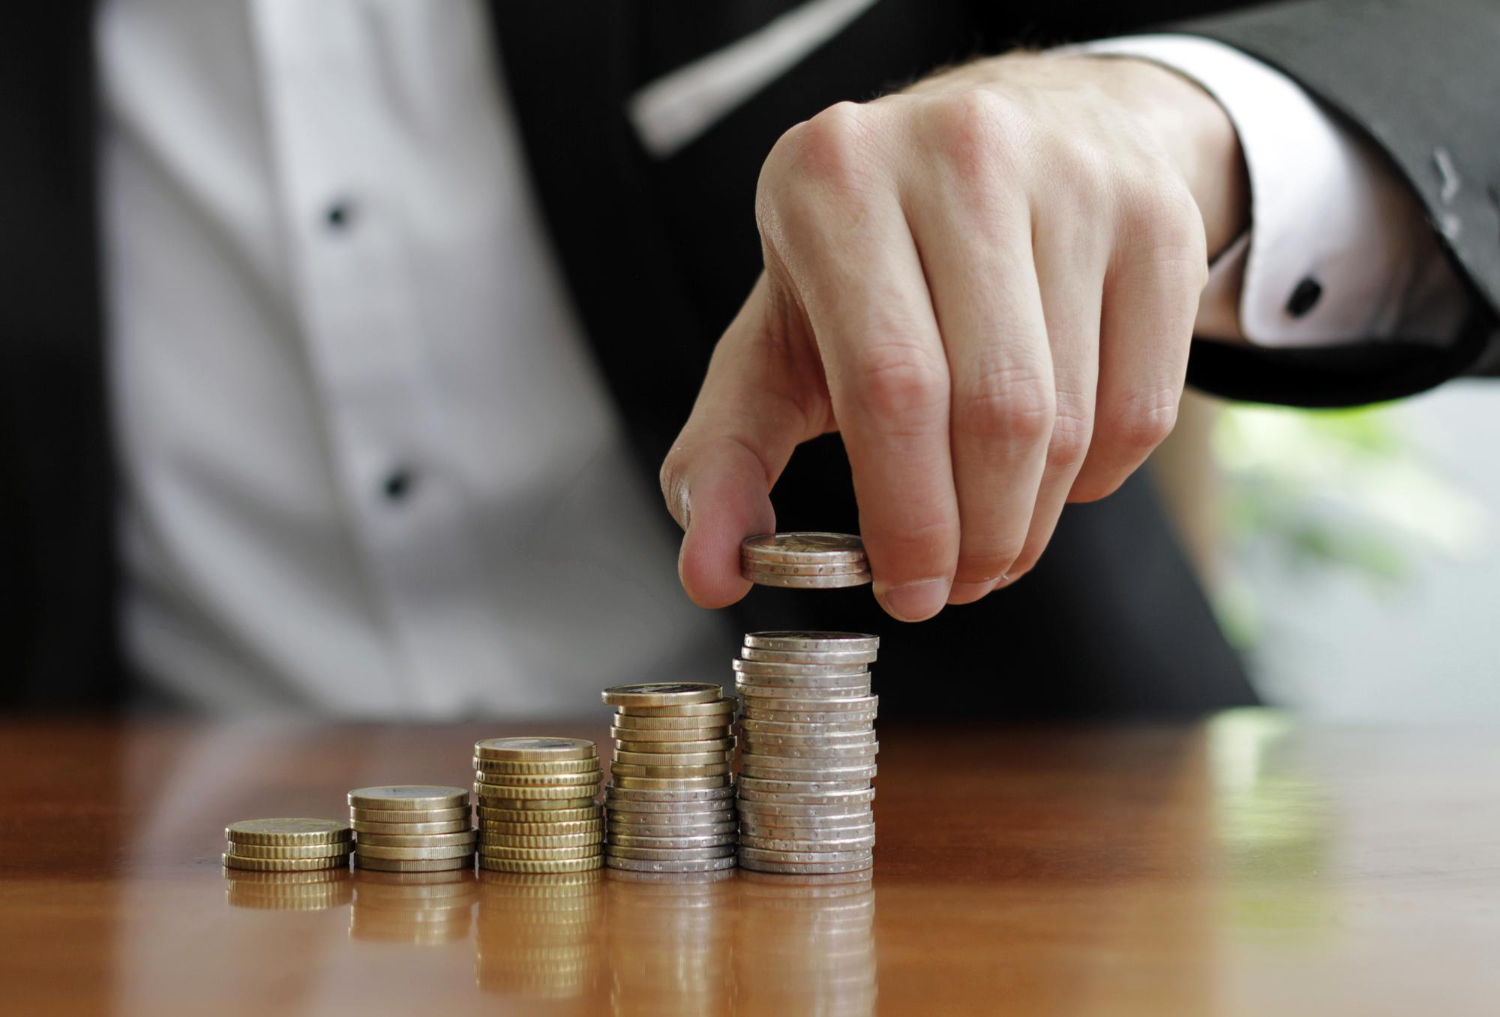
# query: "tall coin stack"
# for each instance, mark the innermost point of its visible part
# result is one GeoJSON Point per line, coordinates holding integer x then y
{"type": "Point", "coordinates": [287, 845]}
{"type": "Point", "coordinates": [537, 811]}
{"type": "Point", "coordinates": [808, 752]}
{"type": "Point", "coordinates": [670, 800]}
{"type": "Point", "coordinates": [412, 828]}
{"type": "Point", "coordinates": [805, 561]}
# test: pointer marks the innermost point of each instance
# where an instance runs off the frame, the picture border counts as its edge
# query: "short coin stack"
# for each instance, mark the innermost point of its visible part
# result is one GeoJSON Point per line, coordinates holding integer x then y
{"type": "Point", "coordinates": [287, 845]}
{"type": "Point", "coordinates": [808, 752]}
{"type": "Point", "coordinates": [805, 561]}
{"type": "Point", "coordinates": [670, 799]}
{"type": "Point", "coordinates": [412, 828]}
{"type": "Point", "coordinates": [537, 811]}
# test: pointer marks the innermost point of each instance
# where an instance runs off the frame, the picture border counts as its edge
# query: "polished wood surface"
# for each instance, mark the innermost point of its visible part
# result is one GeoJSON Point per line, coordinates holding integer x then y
{"type": "Point", "coordinates": [1239, 866]}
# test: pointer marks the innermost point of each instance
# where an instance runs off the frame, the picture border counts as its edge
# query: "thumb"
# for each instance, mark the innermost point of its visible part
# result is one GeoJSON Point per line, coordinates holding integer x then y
{"type": "Point", "coordinates": [760, 399]}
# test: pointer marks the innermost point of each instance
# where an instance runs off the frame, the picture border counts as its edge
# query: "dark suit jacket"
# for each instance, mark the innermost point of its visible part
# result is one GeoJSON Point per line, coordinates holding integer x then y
{"type": "Point", "coordinates": [659, 253]}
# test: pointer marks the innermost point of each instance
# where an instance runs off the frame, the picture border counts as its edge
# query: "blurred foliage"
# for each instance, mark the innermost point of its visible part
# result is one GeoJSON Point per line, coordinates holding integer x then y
{"type": "Point", "coordinates": [1307, 492]}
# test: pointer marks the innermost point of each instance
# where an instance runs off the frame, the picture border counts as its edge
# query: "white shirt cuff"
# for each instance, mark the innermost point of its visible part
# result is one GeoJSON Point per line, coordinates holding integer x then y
{"type": "Point", "coordinates": [1339, 249]}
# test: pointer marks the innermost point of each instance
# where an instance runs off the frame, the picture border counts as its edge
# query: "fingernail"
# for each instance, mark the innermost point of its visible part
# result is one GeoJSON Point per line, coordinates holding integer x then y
{"type": "Point", "coordinates": [914, 601]}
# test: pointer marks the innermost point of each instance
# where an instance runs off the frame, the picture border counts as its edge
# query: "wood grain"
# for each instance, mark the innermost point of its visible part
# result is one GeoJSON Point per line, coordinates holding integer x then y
{"type": "Point", "coordinates": [1240, 866]}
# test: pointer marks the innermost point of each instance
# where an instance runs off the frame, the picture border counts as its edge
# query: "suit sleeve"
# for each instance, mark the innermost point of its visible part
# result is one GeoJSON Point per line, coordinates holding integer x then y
{"type": "Point", "coordinates": [1419, 79]}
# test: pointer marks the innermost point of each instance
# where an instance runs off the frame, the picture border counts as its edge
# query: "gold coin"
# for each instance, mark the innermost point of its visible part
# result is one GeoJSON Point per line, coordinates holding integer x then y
{"type": "Point", "coordinates": [648, 758]}
{"type": "Point", "coordinates": [290, 850]}
{"type": "Point", "coordinates": [542, 804]}
{"type": "Point", "coordinates": [488, 815]}
{"type": "Point", "coordinates": [537, 766]}
{"type": "Point", "coordinates": [662, 694]}
{"type": "Point", "coordinates": [544, 841]}
{"type": "Point", "coordinates": [407, 797]}
{"type": "Point", "coordinates": [540, 854]}
{"type": "Point", "coordinates": [287, 831]}
{"type": "Point", "coordinates": [234, 861]}
{"type": "Point", "coordinates": [535, 749]}
{"type": "Point", "coordinates": [565, 793]}
{"type": "Point", "coordinates": [667, 772]}
{"type": "Point", "coordinates": [497, 829]}
{"type": "Point", "coordinates": [673, 728]}
{"type": "Point", "coordinates": [539, 779]}
{"type": "Point", "coordinates": [418, 841]}
{"type": "Point", "coordinates": [681, 710]}
{"type": "Point", "coordinates": [412, 829]}
{"type": "Point", "coordinates": [670, 736]}
{"type": "Point", "coordinates": [412, 865]}
{"type": "Point", "coordinates": [672, 783]}
{"type": "Point", "coordinates": [412, 854]}
{"type": "Point", "coordinates": [410, 815]}
{"type": "Point", "coordinates": [557, 865]}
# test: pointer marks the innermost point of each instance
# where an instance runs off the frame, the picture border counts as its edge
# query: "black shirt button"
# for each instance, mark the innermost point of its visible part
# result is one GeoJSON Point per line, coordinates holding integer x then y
{"type": "Point", "coordinates": [398, 484]}
{"type": "Point", "coordinates": [1303, 297]}
{"type": "Point", "coordinates": [338, 215]}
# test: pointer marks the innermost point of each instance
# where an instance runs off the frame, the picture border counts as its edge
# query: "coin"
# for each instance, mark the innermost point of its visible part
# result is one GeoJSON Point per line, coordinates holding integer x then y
{"type": "Point", "coordinates": [806, 673]}
{"type": "Point", "coordinates": [669, 772]}
{"type": "Point", "coordinates": [793, 798]}
{"type": "Point", "coordinates": [821, 764]}
{"type": "Point", "coordinates": [750, 831]}
{"type": "Point", "coordinates": [675, 865]}
{"type": "Point", "coordinates": [705, 758]}
{"type": "Point", "coordinates": [539, 854]}
{"type": "Point", "coordinates": [712, 710]}
{"type": "Point", "coordinates": [409, 853]}
{"type": "Point", "coordinates": [672, 783]}
{"type": "Point", "coordinates": [536, 766]}
{"type": "Point", "coordinates": [621, 795]}
{"type": "Point", "coordinates": [585, 778]}
{"type": "Point", "coordinates": [662, 694]}
{"type": "Point", "coordinates": [668, 854]}
{"type": "Point", "coordinates": [808, 547]}
{"type": "Point", "coordinates": [794, 696]}
{"type": "Point", "coordinates": [808, 582]}
{"type": "Point", "coordinates": [836, 568]}
{"type": "Point", "coordinates": [488, 815]}
{"type": "Point", "coordinates": [837, 705]}
{"type": "Point", "coordinates": [524, 829]}
{"type": "Point", "coordinates": [766, 655]}
{"type": "Point", "coordinates": [411, 829]}
{"type": "Point", "coordinates": [689, 725]}
{"type": "Point", "coordinates": [669, 736]}
{"type": "Point", "coordinates": [716, 747]}
{"type": "Point", "coordinates": [795, 640]}
{"type": "Point", "coordinates": [673, 830]}
{"type": "Point", "coordinates": [854, 730]}
{"type": "Point", "coordinates": [676, 820]}
{"type": "Point", "coordinates": [845, 720]}
{"type": "Point", "coordinates": [636, 840]}
{"type": "Point", "coordinates": [534, 749]}
{"type": "Point", "coordinates": [430, 840]}
{"type": "Point", "coordinates": [831, 845]}
{"type": "Point", "coordinates": [570, 792]}
{"type": "Point", "coordinates": [410, 815]}
{"type": "Point", "coordinates": [290, 850]}
{"type": "Point", "coordinates": [235, 861]}
{"type": "Point", "coordinates": [808, 747]}
{"type": "Point", "coordinates": [545, 841]}
{"type": "Point", "coordinates": [406, 797]}
{"type": "Point", "coordinates": [555, 865]}
{"type": "Point", "coordinates": [363, 861]}
{"type": "Point", "coordinates": [758, 865]}
{"type": "Point", "coordinates": [287, 831]}
{"type": "Point", "coordinates": [762, 855]}
{"type": "Point", "coordinates": [772, 807]}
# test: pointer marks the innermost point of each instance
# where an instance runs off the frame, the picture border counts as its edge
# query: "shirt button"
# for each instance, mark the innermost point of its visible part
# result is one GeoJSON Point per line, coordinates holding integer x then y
{"type": "Point", "coordinates": [398, 484]}
{"type": "Point", "coordinates": [1303, 297]}
{"type": "Point", "coordinates": [338, 215]}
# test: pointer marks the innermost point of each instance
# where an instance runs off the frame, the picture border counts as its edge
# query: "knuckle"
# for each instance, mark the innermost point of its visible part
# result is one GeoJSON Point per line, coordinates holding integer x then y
{"type": "Point", "coordinates": [973, 130]}
{"type": "Point", "coordinates": [895, 381]}
{"type": "Point", "coordinates": [1072, 429]}
{"type": "Point", "coordinates": [1143, 422]}
{"type": "Point", "coordinates": [830, 148]}
{"type": "Point", "coordinates": [1163, 223]}
{"type": "Point", "coordinates": [1009, 404]}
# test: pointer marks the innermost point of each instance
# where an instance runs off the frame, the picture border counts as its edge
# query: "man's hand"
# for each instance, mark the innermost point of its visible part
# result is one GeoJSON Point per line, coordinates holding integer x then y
{"type": "Point", "coordinates": [987, 284]}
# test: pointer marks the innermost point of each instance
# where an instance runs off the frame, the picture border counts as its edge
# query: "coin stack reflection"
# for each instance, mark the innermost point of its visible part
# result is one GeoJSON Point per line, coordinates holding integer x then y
{"type": "Point", "coordinates": [420, 908]}
{"type": "Point", "coordinates": [806, 944]}
{"type": "Point", "coordinates": [412, 828]}
{"type": "Point", "coordinates": [289, 891]}
{"type": "Point", "coordinates": [539, 936]}
{"type": "Point", "coordinates": [808, 752]}
{"type": "Point", "coordinates": [537, 811]}
{"type": "Point", "coordinates": [670, 944]}
{"type": "Point", "coordinates": [287, 845]}
{"type": "Point", "coordinates": [670, 800]}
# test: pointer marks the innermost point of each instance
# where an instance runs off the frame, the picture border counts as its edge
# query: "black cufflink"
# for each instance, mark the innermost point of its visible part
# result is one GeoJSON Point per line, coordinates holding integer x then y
{"type": "Point", "coordinates": [1304, 297]}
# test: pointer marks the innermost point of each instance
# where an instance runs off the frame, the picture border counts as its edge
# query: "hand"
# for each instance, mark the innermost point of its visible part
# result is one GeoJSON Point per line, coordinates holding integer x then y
{"type": "Point", "coordinates": [987, 284]}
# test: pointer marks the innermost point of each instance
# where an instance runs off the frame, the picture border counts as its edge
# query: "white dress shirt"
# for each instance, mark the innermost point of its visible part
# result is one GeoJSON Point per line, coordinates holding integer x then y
{"type": "Point", "coordinates": [368, 464]}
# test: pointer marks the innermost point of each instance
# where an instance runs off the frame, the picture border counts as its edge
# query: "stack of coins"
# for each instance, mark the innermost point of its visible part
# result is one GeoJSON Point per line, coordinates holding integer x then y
{"type": "Point", "coordinates": [670, 799]}
{"type": "Point", "coordinates": [808, 753]}
{"type": "Point", "coordinates": [536, 804]}
{"type": "Point", "coordinates": [412, 828]}
{"type": "Point", "coordinates": [805, 561]}
{"type": "Point", "coordinates": [287, 845]}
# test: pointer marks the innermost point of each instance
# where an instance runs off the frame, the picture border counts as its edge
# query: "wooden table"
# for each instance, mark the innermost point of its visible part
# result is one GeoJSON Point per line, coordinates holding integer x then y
{"type": "Point", "coordinates": [1242, 866]}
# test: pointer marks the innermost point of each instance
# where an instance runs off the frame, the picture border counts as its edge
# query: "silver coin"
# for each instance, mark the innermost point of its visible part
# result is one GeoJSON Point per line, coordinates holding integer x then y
{"type": "Point", "coordinates": [763, 655]}
{"type": "Point", "coordinates": [763, 855]}
{"type": "Point", "coordinates": [708, 817]}
{"type": "Point", "coordinates": [803, 547]}
{"type": "Point", "coordinates": [800, 798]}
{"type": "Point", "coordinates": [801, 746]}
{"type": "Point", "coordinates": [653, 809]}
{"type": "Point", "coordinates": [829, 845]}
{"type": "Point", "coordinates": [798, 782]}
{"type": "Point", "coordinates": [794, 639]}
{"type": "Point", "coordinates": [642, 794]}
{"type": "Point", "coordinates": [833, 568]}
{"type": "Point", "coordinates": [852, 731]}
{"type": "Point", "coordinates": [662, 694]}
{"type": "Point", "coordinates": [814, 684]}
{"type": "Point", "coordinates": [709, 783]}
{"type": "Point", "coordinates": [757, 865]}
{"type": "Point", "coordinates": [674, 829]}
{"type": "Point", "coordinates": [806, 833]}
{"type": "Point", "coordinates": [767, 810]}
{"type": "Point", "coordinates": [853, 816]}
{"type": "Point", "coordinates": [675, 865]}
{"type": "Point", "coordinates": [786, 697]}
{"type": "Point", "coordinates": [784, 670]}
{"type": "Point", "coordinates": [842, 720]}
{"type": "Point", "coordinates": [808, 582]}
{"type": "Point", "coordinates": [708, 840]}
{"type": "Point", "coordinates": [669, 854]}
{"type": "Point", "coordinates": [768, 711]}
{"type": "Point", "coordinates": [819, 764]}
